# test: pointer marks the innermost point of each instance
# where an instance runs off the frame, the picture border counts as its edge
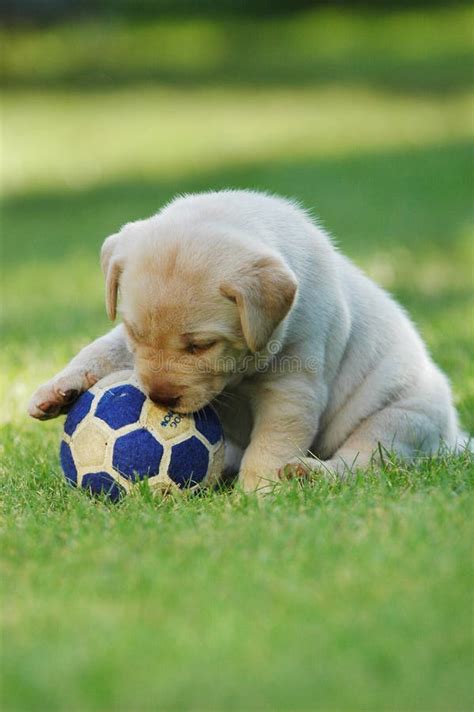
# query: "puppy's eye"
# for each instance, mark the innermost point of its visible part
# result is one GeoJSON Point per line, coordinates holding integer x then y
{"type": "Point", "coordinates": [199, 348]}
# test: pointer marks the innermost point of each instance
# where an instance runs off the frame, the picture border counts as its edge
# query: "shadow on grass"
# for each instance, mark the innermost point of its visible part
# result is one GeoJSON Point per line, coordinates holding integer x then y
{"type": "Point", "coordinates": [415, 198]}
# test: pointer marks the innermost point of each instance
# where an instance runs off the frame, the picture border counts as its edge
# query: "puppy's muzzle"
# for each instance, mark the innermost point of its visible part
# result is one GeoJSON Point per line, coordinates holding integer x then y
{"type": "Point", "coordinates": [164, 395]}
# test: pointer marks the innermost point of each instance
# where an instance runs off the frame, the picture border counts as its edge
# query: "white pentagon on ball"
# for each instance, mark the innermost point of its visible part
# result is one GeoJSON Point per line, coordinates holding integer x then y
{"type": "Point", "coordinates": [115, 436]}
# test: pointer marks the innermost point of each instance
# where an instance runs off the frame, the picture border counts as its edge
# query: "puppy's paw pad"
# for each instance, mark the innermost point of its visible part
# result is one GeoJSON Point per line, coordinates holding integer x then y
{"type": "Point", "coordinates": [294, 470]}
{"type": "Point", "coordinates": [45, 410]}
{"type": "Point", "coordinates": [69, 396]}
{"type": "Point", "coordinates": [43, 407]}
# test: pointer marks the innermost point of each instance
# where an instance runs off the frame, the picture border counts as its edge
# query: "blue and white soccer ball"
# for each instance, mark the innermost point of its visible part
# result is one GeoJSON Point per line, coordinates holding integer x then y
{"type": "Point", "coordinates": [114, 436]}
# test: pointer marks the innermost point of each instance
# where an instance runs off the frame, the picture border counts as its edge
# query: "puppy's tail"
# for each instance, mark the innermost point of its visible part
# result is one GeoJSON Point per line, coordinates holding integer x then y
{"type": "Point", "coordinates": [464, 442]}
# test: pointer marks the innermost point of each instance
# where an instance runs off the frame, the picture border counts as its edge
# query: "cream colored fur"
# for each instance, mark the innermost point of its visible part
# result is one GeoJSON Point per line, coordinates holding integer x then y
{"type": "Point", "coordinates": [239, 298]}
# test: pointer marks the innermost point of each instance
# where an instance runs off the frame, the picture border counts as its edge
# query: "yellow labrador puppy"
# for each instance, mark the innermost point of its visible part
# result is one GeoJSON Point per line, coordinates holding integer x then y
{"type": "Point", "coordinates": [239, 299]}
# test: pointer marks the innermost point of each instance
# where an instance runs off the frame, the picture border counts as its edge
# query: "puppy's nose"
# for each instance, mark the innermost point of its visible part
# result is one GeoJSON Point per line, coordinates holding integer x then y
{"type": "Point", "coordinates": [168, 402]}
{"type": "Point", "coordinates": [163, 397]}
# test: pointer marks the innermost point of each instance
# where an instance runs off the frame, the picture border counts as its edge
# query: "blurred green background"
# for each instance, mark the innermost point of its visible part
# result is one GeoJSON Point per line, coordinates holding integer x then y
{"type": "Point", "coordinates": [364, 113]}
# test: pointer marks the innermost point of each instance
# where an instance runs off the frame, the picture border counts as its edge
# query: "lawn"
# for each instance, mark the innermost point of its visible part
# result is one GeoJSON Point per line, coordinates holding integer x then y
{"type": "Point", "coordinates": [317, 598]}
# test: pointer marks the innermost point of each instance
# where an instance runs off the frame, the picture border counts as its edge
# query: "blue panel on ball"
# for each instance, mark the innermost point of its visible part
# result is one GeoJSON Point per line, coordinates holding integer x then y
{"type": "Point", "coordinates": [102, 483]}
{"type": "Point", "coordinates": [67, 463]}
{"type": "Point", "coordinates": [137, 454]}
{"type": "Point", "coordinates": [208, 424]}
{"type": "Point", "coordinates": [120, 406]}
{"type": "Point", "coordinates": [189, 462]}
{"type": "Point", "coordinates": [78, 412]}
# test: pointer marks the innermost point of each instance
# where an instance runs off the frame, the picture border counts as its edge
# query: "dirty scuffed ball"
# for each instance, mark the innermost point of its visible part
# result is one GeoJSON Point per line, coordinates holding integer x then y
{"type": "Point", "coordinates": [115, 436]}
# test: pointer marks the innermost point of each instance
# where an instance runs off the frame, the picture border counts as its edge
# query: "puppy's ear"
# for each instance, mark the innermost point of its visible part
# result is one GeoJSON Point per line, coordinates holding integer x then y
{"type": "Point", "coordinates": [112, 267]}
{"type": "Point", "coordinates": [264, 292]}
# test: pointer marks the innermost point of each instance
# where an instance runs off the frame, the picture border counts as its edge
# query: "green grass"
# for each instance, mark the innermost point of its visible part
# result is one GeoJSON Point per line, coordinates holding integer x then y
{"type": "Point", "coordinates": [323, 597]}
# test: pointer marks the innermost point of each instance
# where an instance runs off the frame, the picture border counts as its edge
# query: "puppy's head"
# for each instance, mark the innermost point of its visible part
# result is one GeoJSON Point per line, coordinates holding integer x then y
{"type": "Point", "coordinates": [193, 307]}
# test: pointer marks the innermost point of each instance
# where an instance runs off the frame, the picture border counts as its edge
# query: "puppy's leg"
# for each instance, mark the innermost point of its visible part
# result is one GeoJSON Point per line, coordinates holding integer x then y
{"type": "Point", "coordinates": [285, 421]}
{"type": "Point", "coordinates": [401, 430]}
{"type": "Point", "coordinates": [103, 356]}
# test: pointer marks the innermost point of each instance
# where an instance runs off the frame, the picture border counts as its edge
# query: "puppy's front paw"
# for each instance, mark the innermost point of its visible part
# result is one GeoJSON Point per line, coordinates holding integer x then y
{"type": "Point", "coordinates": [251, 482]}
{"type": "Point", "coordinates": [53, 398]}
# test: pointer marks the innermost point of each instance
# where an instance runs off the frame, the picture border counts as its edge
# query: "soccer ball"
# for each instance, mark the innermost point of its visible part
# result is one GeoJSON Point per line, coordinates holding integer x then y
{"type": "Point", "coordinates": [115, 436]}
